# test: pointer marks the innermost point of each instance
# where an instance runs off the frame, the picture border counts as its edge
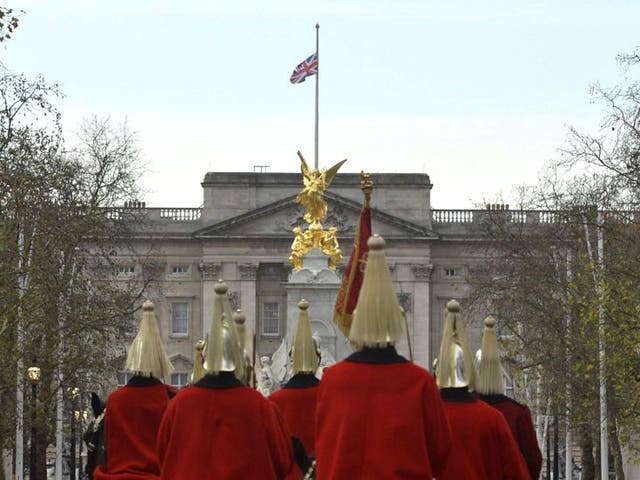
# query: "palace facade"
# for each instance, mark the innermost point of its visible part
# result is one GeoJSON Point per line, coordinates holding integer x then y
{"type": "Point", "coordinates": [243, 234]}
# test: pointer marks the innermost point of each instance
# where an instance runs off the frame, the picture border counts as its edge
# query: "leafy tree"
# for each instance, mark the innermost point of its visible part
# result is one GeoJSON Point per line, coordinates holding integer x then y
{"type": "Point", "coordinates": [8, 23]}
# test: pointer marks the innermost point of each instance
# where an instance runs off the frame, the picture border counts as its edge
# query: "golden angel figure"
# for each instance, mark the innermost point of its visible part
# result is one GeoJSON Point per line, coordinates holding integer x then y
{"type": "Point", "coordinates": [311, 197]}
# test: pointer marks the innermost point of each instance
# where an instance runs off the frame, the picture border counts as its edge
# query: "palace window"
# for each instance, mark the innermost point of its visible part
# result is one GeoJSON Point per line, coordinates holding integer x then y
{"type": "Point", "coordinates": [450, 272]}
{"type": "Point", "coordinates": [180, 379]}
{"type": "Point", "coordinates": [180, 269]}
{"type": "Point", "coordinates": [271, 318]}
{"type": "Point", "coordinates": [179, 318]}
{"type": "Point", "coordinates": [126, 269]}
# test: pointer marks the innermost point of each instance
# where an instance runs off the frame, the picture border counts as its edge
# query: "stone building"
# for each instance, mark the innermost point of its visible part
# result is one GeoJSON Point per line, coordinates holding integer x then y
{"type": "Point", "coordinates": [243, 233]}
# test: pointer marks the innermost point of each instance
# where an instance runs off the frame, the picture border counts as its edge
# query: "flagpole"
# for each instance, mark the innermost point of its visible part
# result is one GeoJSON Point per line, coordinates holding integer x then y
{"type": "Point", "coordinates": [317, 84]}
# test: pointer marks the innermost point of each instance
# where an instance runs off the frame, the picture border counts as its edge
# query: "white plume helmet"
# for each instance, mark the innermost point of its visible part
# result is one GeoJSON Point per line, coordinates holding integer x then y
{"type": "Point", "coordinates": [198, 361]}
{"type": "Point", "coordinates": [305, 356]}
{"type": "Point", "coordinates": [455, 362]}
{"type": "Point", "coordinates": [223, 347]}
{"type": "Point", "coordinates": [147, 355]}
{"type": "Point", "coordinates": [377, 318]}
{"type": "Point", "coordinates": [490, 379]}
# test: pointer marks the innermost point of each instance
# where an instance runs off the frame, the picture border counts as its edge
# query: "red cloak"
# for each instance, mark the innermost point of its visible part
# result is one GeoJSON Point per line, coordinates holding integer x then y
{"type": "Point", "coordinates": [220, 429]}
{"type": "Point", "coordinates": [518, 417]}
{"type": "Point", "coordinates": [132, 420]}
{"type": "Point", "coordinates": [483, 446]}
{"type": "Point", "coordinates": [296, 401]}
{"type": "Point", "coordinates": [379, 416]}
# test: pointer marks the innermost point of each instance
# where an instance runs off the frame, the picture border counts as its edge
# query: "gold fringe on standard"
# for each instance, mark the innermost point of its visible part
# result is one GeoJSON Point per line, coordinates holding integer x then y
{"type": "Point", "coordinates": [147, 355]}
{"type": "Point", "coordinates": [305, 355]}
{"type": "Point", "coordinates": [377, 320]}
{"type": "Point", "coordinates": [453, 333]}
{"type": "Point", "coordinates": [490, 379]}
{"type": "Point", "coordinates": [223, 348]}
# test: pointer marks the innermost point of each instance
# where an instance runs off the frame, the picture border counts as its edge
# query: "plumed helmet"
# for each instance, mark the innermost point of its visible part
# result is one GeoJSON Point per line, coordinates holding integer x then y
{"type": "Point", "coordinates": [223, 352]}
{"type": "Point", "coordinates": [305, 356]}
{"type": "Point", "coordinates": [146, 355]}
{"type": "Point", "coordinates": [245, 338]}
{"type": "Point", "coordinates": [490, 378]}
{"type": "Point", "coordinates": [455, 363]}
{"type": "Point", "coordinates": [198, 361]}
{"type": "Point", "coordinates": [377, 318]}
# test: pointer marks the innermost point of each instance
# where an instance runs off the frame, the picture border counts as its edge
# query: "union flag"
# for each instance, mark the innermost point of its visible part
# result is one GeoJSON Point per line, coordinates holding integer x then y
{"type": "Point", "coordinates": [305, 69]}
{"type": "Point", "coordinates": [354, 273]}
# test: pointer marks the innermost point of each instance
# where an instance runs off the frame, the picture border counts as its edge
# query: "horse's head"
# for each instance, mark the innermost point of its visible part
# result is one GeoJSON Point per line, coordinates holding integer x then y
{"type": "Point", "coordinates": [97, 405]}
{"type": "Point", "coordinates": [94, 436]}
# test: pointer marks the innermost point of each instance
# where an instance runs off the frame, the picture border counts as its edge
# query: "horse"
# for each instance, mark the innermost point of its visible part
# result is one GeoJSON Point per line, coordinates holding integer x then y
{"type": "Point", "coordinates": [94, 437]}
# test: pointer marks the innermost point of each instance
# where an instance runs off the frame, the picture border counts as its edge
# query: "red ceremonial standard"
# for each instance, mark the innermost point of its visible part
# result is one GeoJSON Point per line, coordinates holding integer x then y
{"type": "Point", "coordinates": [352, 281]}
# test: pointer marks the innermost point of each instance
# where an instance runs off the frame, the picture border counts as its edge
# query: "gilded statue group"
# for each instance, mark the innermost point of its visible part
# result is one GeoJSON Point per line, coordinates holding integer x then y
{"type": "Point", "coordinates": [311, 197]}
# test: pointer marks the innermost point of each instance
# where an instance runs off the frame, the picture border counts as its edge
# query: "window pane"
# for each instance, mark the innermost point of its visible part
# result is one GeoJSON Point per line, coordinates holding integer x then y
{"type": "Point", "coordinates": [179, 318]}
{"type": "Point", "coordinates": [179, 379]}
{"type": "Point", "coordinates": [271, 318]}
{"type": "Point", "coordinates": [123, 378]}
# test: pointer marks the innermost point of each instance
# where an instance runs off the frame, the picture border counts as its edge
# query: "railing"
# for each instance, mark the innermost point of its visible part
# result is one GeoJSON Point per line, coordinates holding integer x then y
{"type": "Point", "coordinates": [513, 216]}
{"type": "Point", "coordinates": [181, 214]}
{"type": "Point", "coordinates": [154, 214]}
{"type": "Point", "coordinates": [454, 216]}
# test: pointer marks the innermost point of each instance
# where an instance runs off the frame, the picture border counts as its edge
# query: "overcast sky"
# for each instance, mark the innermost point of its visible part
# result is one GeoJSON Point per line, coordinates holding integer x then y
{"type": "Point", "coordinates": [476, 94]}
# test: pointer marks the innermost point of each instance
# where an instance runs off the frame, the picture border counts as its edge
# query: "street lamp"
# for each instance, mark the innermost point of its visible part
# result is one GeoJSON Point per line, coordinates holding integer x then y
{"type": "Point", "coordinates": [33, 373]}
{"type": "Point", "coordinates": [74, 393]}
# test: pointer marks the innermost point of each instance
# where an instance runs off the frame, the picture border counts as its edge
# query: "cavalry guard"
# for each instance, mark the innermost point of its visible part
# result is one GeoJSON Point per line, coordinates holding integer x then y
{"type": "Point", "coordinates": [297, 398]}
{"type": "Point", "coordinates": [219, 427]}
{"type": "Point", "coordinates": [379, 415]}
{"type": "Point", "coordinates": [134, 411]}
{"type": "Point", "coordinates": [490, 387]}
{"type": "Point", "coordinates": [483, 446]}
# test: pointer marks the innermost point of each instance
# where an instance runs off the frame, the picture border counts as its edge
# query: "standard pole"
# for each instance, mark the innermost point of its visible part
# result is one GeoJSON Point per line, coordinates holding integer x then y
{"type": "Point", "coordinates": [604, 432]}
{"type": "Point", "coordinates": [317, 94]}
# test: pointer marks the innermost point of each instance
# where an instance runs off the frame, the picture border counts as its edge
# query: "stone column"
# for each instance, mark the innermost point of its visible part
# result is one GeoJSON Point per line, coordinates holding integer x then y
{"type": "Point", "coordinates": [209, 274]}
{"type": "Point", "coordinates": [421, 294]}
{"type": "Point", "coordinates": [248, 275]}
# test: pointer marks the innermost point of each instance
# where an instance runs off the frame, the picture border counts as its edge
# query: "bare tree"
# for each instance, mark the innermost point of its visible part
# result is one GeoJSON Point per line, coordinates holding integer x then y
{"type": "Point", "coordinates": [65, 309]}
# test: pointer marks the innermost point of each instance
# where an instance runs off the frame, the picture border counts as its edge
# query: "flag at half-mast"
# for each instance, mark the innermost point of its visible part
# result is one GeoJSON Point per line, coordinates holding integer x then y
{"type": "Point", "coordinates": [305, 69]}
{"type": "Point", "coordinates": [354, 273]}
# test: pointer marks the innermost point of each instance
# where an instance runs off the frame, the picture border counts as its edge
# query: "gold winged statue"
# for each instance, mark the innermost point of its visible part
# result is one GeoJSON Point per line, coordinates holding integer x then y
{"type": "Point", "coordinates": [311, 197]}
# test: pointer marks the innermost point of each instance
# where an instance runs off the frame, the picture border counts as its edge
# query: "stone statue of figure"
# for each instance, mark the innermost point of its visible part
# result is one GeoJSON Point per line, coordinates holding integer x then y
{"type": "Point", "coordinates": [326, 359]}
{"type": "Point", "coordinates": [311, 197]}
{"type": "Point", "coordinates": [266, 380]}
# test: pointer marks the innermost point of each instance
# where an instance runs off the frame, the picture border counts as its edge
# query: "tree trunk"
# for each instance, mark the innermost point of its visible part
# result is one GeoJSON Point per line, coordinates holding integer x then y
{"type": "Point", "coordinates": [615, 447]}
{"type": "Point", "coordinates": [586, 449]}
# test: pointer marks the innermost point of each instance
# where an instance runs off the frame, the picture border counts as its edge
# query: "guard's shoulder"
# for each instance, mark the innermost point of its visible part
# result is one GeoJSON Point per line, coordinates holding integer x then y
{"type": "Point", "coordinates": [493, 399]}
{"type": "Point", "coordinates": [512, 401]}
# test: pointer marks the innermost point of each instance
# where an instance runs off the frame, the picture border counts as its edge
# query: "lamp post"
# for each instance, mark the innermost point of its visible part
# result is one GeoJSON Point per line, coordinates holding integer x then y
{"type": "Point", "coordinates": [75, 393]}
{"type": "Point", "coordinates": [34, 377]}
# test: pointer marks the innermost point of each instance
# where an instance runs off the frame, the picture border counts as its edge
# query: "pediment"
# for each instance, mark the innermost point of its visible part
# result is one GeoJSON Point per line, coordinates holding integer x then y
{"type": "Point", "coordinates": [180, 362]}
{"type": "Point", "coordinates": [279, 218]}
